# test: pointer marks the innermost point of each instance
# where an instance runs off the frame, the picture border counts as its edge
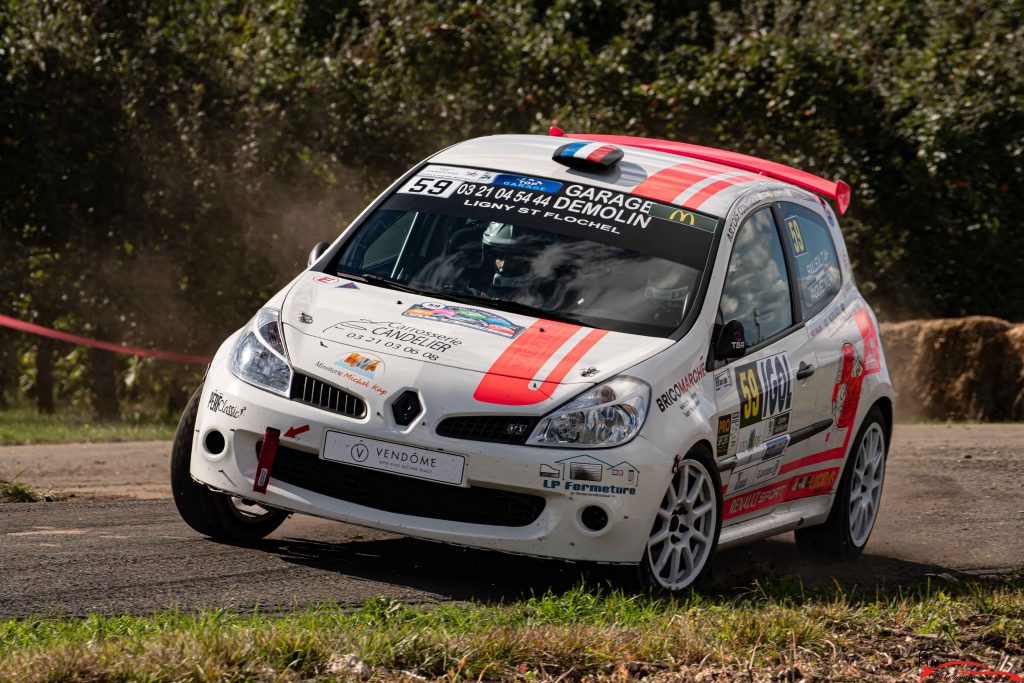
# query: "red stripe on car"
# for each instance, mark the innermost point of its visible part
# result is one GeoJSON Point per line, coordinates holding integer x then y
{"type": "Point", "coordinates": [512, 379]}
{"type": "Point", "coordinates": [668, 183]}
{"type": "Point", "coordinates": [707, 193]}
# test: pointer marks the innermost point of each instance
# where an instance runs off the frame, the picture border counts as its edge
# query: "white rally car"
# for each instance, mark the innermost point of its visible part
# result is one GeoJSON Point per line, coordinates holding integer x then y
{"type": "Point", "coordinates": [586, 347]}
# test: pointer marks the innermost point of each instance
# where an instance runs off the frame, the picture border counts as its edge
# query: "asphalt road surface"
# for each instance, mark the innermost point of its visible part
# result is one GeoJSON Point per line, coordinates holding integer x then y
{"type": "Point", "coordinates": [953, 506]}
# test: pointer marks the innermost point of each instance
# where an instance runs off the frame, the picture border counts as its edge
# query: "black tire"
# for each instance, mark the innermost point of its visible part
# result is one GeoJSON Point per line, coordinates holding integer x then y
{"type": "Point", "coordinates": [680, 524]}
{"type": "Point", "coordinates": [835, 538]}
{"type": "Point", "coordinates": [208, 512]}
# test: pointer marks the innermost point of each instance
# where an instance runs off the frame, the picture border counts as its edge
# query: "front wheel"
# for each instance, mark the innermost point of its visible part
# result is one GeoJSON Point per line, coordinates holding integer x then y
{"type": "Point", "coordinates": [686, 527]}
{"type": "Point", "coordinates": [218, 515]}
{"type": "Point", "coordinates": [855, 509]}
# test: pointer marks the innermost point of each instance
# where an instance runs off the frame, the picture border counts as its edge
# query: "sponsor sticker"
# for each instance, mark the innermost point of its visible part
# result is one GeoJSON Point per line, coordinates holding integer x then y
{"type": "Point", "coordinates": [775, 448]}
{"type": "Point", "coordinates": [219, 404]}
{"type": "Point", "coordinates": [778, 424]}
{"type": "Point", "coordinates": [818, 482]}
{"type": "Point", "coordinates": [473, 175]}
{"type": "Point", "coordinates": [408, 461]}
{"type": "Point", "coordinates": [474, 318]}
{"type": "Point", "coordinates": [394, 337]}
{"type": "Point", "coordinates": [682, 216]}
{"type": "Point", "coordinates": [728, 433]}
{"type": "Point", "coordinates": [568, 208]}
{"type": "Point", "coordinates": [326, 279]}
{"type": "Point", "coordinates": [678, 390]}
{"type": "Point", "coordinates": [585, 475]}
{"type": "Point", "coordinates": [753, 475]}
{"type": "Point", "coordinates": [527, 183]}
{"type": "Point", "coordinates": [723, 380]}
{"type": "Point", "coordinates": [766, 388]}
{"type": "Point", "coordinates": [363, 364]}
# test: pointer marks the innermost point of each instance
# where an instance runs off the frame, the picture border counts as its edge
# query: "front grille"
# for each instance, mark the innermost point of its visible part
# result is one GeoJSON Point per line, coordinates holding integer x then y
{"type": "Point", "coordinates": [314, 392]}
{"type": "Point", "coordinates": [404, 495]}
{"type": "Point", "coordinates": [496, 428]}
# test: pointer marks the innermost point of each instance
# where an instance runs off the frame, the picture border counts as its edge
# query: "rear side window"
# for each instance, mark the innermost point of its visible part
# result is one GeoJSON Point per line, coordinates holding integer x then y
{"type": "Point", "coordinates": [757, 287]}
{"type": "Point", "coordinates": [817, 264]}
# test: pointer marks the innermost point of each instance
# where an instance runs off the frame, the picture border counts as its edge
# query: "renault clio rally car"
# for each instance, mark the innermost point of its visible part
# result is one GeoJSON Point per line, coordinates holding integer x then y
{"type": "Point", "coordinates": [585, 347]}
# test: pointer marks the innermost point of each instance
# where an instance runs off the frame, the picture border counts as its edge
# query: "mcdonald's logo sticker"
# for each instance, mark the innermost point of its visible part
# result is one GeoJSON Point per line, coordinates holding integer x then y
{"type": "Point", "coordinates": [684, 217]}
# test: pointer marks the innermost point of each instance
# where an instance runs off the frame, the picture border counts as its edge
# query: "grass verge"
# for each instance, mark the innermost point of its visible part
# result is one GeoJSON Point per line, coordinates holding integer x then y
{"type": "Point", "coordinates": [765, 633]}
{"type": "Point", "coordinates": [13, 491]}
{"type": "Point", "coordinates": [26, 426]}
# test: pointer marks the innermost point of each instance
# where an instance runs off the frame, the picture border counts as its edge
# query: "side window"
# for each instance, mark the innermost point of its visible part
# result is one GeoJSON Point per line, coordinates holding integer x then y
{"type": "Point", "coordinates": [817, 264]}
{"type": "Point", "coordinates": [757, 285]}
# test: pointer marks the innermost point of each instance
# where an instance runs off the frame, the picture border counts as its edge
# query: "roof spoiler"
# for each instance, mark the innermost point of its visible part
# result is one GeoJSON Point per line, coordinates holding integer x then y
{"type": "Point", "coordinates": [837, 190]}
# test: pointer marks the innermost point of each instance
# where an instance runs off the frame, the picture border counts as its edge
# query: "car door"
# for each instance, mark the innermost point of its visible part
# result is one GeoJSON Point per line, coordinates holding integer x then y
{"type": "Point", "coordinates": [764, 395]}
{"type": "Point", "coordinates": [819, 277]}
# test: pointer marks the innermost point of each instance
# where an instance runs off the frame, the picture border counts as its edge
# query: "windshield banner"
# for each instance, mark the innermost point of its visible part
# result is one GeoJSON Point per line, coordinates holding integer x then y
{"type": "Point", "coordinates": [574, 209]}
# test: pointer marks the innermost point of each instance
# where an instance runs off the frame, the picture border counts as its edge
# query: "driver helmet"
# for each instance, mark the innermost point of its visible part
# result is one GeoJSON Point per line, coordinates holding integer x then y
{"type": "Point", "coordinates": [511, 249]}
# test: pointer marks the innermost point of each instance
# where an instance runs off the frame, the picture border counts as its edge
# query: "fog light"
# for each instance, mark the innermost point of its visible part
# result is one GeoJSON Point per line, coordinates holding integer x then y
{"type": "Point", "coordinates": [594, 518]}
{"type": "Point", "coordinates": [214, 442]}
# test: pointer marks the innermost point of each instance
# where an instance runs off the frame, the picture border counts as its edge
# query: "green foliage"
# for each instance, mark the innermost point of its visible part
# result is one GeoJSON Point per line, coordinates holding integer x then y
{"type": "Point", "coordinates": [14, 491]}
{"type": "Point", "coordinates": [580, 634]}
{"type": "Point", "coordinates": [165, 166]}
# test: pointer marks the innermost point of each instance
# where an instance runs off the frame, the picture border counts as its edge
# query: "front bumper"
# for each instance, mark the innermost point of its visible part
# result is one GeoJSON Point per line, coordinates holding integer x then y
{"type": "Point", "coordinates": [242, 414]}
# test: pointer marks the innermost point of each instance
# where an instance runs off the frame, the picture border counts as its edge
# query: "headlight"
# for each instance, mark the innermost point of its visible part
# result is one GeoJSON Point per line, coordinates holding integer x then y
{"type": "Point", "coordinates": [608, 415]}
{"type": "Point", "coordinates": [259, 357]}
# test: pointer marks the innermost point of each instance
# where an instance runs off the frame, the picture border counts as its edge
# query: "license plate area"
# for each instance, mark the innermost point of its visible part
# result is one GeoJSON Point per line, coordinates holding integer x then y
{"type": "Point", "coordinates": [384, 456]}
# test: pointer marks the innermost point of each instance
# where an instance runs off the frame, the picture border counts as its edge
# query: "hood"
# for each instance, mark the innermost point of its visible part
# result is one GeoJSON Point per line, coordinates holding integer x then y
{"type": "Point", "coordinates": [436, 331]}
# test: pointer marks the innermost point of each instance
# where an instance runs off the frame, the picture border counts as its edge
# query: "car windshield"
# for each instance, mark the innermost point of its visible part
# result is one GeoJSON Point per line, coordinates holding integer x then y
{"type": "Point", "coordinates": [563, 251]}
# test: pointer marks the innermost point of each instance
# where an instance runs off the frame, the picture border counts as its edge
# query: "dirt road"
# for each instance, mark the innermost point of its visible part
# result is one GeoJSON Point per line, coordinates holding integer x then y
{"type": "Point", "coordinates": [953, 505]}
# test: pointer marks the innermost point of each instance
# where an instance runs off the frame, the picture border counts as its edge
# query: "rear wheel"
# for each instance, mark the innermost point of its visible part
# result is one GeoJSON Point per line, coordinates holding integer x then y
{"type": "Point", "coordinates": [686, 527]}
{"type": "Point", "coordinates": [848, 527]}
{"type": "Point", "coordinates": [218, 515]}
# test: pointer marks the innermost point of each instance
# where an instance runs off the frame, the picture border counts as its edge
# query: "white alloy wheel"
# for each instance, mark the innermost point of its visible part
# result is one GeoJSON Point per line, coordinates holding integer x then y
{"type": "Point", "coordinates": [683, 535]}
{"type": "Point", "coordinates": [866, 484]}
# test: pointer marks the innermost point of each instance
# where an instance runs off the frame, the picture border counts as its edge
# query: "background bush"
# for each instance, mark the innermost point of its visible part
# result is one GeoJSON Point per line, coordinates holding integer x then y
{"type": "Point", "coordinates": [166, 165]}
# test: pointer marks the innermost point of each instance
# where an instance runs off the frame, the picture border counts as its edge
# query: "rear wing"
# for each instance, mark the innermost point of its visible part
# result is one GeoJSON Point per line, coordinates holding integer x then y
{"type": "Point", "coordinates": [836, 190]}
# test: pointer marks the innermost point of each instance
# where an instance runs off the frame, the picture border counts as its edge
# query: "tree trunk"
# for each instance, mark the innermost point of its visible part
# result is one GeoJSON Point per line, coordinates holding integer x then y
{"type": "Point", "coordinates": [103, 385]}
{"type": "Point", "coordinates": [44, 376]}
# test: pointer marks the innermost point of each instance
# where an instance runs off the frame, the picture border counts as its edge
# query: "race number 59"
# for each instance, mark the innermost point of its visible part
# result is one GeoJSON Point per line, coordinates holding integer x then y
{"type": "Point", "coordinates": [751, 396]}
{"type": "Point", "coordinates": [431, 187]}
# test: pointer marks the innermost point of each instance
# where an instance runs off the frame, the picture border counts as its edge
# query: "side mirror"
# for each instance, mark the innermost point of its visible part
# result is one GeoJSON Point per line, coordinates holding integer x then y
{"type": "Point", "coordinates": [317, 252]}
{"type": "Point", "coordinates": [731, 342]}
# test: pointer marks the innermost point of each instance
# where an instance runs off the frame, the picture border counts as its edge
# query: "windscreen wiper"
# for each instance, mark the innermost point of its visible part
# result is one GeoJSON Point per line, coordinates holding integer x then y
{"type": "Point", "coordinates": [514, 307]}
{"type": "Point", "coordinates": [382, 281]}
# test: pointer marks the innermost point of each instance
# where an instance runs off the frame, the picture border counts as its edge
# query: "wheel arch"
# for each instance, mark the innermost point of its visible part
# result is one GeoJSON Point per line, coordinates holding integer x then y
{"type": "Point", "coordinates": [884, 405]}
{"type": "Point", "coordinates": [702, 443]}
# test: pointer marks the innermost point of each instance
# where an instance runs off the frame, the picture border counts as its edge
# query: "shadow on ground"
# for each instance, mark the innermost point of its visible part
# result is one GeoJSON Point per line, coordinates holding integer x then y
{"type": "Point", "coordinates": [466, 574]}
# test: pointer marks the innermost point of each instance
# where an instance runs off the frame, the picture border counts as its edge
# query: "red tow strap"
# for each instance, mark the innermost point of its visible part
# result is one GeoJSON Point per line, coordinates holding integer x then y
{"type": "Point", "coordinates": [266, 460]}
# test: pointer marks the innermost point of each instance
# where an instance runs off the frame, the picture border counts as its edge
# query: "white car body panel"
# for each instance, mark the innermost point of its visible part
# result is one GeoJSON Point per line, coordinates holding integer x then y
{"type": "Point", "coordinates": [327, 319]}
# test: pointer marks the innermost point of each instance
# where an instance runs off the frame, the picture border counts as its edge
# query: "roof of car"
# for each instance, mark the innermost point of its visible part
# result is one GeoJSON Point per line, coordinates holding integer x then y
{"type": "Point", "coordinates": [673, 173]}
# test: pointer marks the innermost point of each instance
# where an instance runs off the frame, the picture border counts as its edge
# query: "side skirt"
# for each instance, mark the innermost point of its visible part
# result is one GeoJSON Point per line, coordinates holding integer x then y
{"type": "Point", "coordinates": [786, 517]}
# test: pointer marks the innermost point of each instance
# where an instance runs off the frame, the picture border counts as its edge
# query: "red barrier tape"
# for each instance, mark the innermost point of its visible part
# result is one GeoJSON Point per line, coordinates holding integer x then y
{"type": "Point", "coordinates": [23, 326]}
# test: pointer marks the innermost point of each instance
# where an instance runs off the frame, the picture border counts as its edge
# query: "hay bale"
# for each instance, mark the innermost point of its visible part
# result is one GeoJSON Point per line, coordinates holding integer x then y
{"type": "Point", "coordinates": [961, 368]}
